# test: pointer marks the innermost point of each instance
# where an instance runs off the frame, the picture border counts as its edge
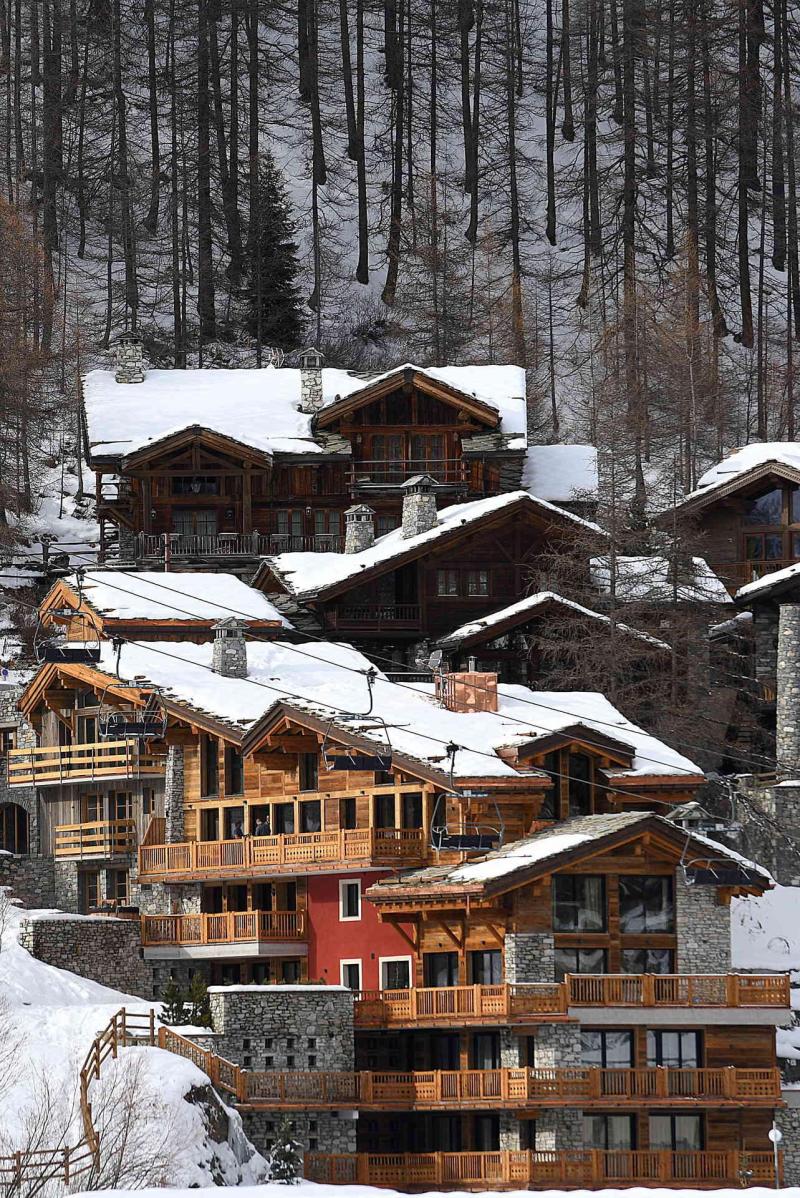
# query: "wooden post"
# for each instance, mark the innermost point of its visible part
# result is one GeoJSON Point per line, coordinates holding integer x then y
{"type": "Point", "coordinates": [648, 990]}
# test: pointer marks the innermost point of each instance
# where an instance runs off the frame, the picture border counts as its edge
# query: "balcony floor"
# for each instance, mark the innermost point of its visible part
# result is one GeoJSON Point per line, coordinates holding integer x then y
{"type": "Point", "coordinates": [239, 950]}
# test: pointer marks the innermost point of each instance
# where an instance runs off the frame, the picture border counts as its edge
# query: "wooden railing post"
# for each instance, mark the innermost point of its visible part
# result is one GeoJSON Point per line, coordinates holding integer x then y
{"type": "Point", "coordinates": [648, 990]}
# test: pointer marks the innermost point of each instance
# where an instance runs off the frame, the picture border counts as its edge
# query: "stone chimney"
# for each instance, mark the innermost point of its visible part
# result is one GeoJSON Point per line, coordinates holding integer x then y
{"type": "Point", "coordinates": [787, 739]}
{"type": "Point", "coordinates": [359, 528]}
{"type": "Point", "coordinates": [419, 505]}
{"type": "Point", "coordinates": [467, 691]}
{"type": "Point", "coordinates": [311, 380]}
{"type": "Point", "coordinates": [230, 649]}
{"type": "Point", "coordinates": [130, 359]}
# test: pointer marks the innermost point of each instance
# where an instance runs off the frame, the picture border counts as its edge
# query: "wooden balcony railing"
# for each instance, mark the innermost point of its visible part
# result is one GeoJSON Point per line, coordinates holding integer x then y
{"type": "Point", "coordinates": [375, 615]}
{"type": "Point", "coordinates": [393, 472]}
{"type": "Point", "coordinates": [740, 573]}
{"type": "Point", "coordinates": [519, 1089]}
{"type": "Point", "coordinates": [230, 927]}
{"type": "Point", "coordinates": [51, 765]}
{"type": "Point", "coordinates": [154, 546]}
{"type": "Point", "coordinates": [678, 990]}
{"type": "Point", "coordinates": [105, 838]}
{"type": "Point", "coordinates": [588, 1168]}
{"type": "Point", "coordinates": [251, 854]}
{"type": "Point", "coordinates": [453, 1006]}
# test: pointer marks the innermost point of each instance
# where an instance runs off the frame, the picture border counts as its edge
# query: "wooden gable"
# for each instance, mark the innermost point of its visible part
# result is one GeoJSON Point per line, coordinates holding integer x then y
{"type": "Point", "coordinates": [194, 450]}
{"type": "Point", "coordinates": [409, 398]}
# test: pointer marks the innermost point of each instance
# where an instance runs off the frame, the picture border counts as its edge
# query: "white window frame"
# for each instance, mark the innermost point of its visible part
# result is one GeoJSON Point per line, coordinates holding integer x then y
{"type": "Point", "coordinates": [351, 961]}
{"type": "Point", "coordinates": [387, 960]}
{"type": "Point", "coordinates": [342, 884]}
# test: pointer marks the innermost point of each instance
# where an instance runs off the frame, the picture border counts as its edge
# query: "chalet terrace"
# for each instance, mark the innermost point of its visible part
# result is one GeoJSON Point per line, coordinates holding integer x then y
{"type": "Point", "coordinates": [746, 511]}
{"type": "Point", "coordinates": [203, 466]}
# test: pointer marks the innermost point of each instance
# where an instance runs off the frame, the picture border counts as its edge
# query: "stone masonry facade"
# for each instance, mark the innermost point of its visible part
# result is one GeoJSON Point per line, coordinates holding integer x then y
{"type": "Point", "coordinates": [30, 880]}
{"type": "Point", "coordinates": [703, 929]}
{"type": "Point", "coordinates": [530, 957]}
{"type": "Point", "coordinates": [173, 794]}
{"type": "Point", "coordinates": [23, 796]}
{"type": "Point", "coordinates": [787, 714]}
{"type": "Point", "coordinates": [100, 948]}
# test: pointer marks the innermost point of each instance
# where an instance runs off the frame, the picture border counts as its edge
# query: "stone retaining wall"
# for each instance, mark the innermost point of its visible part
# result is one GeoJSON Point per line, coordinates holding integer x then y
{"type": "Point", "coordinates": [100, 948]}
{"type": "Point", "coordinates": [30, 880]}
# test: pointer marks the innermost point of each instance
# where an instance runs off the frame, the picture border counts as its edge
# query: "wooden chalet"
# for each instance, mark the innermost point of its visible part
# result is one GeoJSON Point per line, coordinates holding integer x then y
{"type": "Point", "coordinates": [746, 509]}
{"type": "Point", "coordinates": [200, 467]}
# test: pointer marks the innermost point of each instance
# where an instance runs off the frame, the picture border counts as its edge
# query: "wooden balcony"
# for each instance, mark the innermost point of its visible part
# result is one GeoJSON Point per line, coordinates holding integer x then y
{"type": "Point", "coordinates": [459, 1006]}
{"type": "Point", "coordinates": [232, 927]}
{"type": "Point", "coordinates": [395, 617]}
{"type": "Point", "coordinates": [104, 838]}
{"type": "Point", "coordinates": [588, 1168]}
{"type": "Point", "coordinates": [252, 856]}
{"type": "Point", "coordinates": [389, 474]}
{"type": "Point", "coordinates": [740, 573]}
{"type": "Point", "coordinates": [53, 765]}
{"type": "Point", "coordinates": [509, 1089]}
{"type": "Point", "coordinates": [241, 546]}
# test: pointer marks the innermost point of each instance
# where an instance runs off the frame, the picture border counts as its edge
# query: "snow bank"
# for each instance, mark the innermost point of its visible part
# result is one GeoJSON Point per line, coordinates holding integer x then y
{"type": "Point", "coordinates": [560, 473]}
{"type": "Point", "coordinates": [765, 931]}
{"type": "Point", "coordinates": [308, 1189]}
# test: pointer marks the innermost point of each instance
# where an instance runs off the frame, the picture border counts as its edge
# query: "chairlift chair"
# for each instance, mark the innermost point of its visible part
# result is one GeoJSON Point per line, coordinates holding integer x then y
{"type": "Point", "coordinates": [478, 838]}
{"type": "Point", "coordinates": [342, 758]}
{"type": "Point", "coordinates": [143, 724]}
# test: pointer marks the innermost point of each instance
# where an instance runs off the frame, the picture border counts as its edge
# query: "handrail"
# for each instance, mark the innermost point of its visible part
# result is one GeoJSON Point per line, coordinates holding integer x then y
{"type": "Point", "coordinates": [300, 848]}
{"type": "Point", "coordinates": [38, 1166]}
{"type": "Point", "coordinates": [54, 764]}
{"type": "Point", "coordinates": [103, 838]}
{"type": "Point", "coordinates": [223, 928]}
{"type": "Point", "coordinates": [556, 1169]}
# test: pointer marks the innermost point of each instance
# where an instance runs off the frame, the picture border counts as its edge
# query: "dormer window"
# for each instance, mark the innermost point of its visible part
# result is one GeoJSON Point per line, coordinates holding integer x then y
{"type": "Point", "coordinates": [573, 791]}
{"type": "Point", "coordinates": [772, 524]}
{"type": "Point", "coordinates": [196, 484]}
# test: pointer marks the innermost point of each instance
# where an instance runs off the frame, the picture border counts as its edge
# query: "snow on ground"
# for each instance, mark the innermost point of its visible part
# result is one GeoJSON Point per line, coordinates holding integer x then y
{"type": "Point", "coordinates": [308, 1189]}
{"type": "Point", "coordinates": [765, 931]}
{"type": "Point", "coordinates": [48, 1020]}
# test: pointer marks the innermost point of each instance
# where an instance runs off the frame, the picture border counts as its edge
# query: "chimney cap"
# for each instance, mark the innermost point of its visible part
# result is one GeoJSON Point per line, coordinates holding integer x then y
{"type": "Point", "coordinates": [360, 510]}
{"type": "Point", "coordinates": [311, 358]}
{"type": "Point", "coordinates": [129, 337]}
{"type": "Point", "coordinates": [419, 482]}
{"type": "Point", "coordinates": [230, 626]}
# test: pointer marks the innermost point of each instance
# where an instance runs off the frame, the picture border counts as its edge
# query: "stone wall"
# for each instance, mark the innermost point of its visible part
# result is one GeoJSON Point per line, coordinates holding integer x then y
{"type": "Point", "coordinates": [788, 1120]}
{"type": "Point", "coordinates": [284, 1027]}
{"type": "Point", "coordinates": [703, 928]}
{"type": "Point", "coordinates": [100, 948]}
{"type": "Point", "coordinates": [787, 712]}
{"type": "Point", "coordinates": [530, 957]}
{"type": "Point", "coordinates": [173, 795]}
{"type": "Point", "coordinates": [560, 1129]}
{"type": "Point", "coordinates": [30, 879]}
{"type": "Point", "coordinates": [557, 1046]}
{"type": "Point", "coordinates": [24, 796]}
{"type": "Point", "coordinates": [317, 1131]}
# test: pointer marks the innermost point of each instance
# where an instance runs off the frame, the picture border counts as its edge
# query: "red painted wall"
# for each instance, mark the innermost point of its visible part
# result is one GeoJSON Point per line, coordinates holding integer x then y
{"type": "Point", "coordinates": [332, 940]}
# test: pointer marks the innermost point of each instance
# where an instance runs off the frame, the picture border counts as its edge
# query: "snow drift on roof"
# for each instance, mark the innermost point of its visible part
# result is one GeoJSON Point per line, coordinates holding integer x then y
{"type": "Point", "coordinates": [315, 676]}
{"type": "Point", "coordinates": [748, 458]}
{"type": "Point", "coordinates": [160, 595]}
{"type": "Point", "coordinates": [258, 408]}
{"type": "Point", "coordinates": [762, 586]}
{"type": "Point", "coordinates": [310, 572]}
{"type": "Point", "coordinates": [540, 599]}
{"type": "Point", "coordinates": [649, 578]}
{"type": "Point", "coordinates": [561, 473]}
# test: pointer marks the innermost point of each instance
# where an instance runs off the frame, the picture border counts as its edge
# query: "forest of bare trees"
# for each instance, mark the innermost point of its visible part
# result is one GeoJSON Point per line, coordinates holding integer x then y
{"type": "Point", "coordinates": [602, 190]}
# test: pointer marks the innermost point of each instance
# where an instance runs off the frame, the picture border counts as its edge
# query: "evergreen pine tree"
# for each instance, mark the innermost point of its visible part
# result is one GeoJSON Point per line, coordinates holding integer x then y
{"type": "Point", "coordinates": [199, 1009]}
{"type": "Point", "coordinates": [285, 1164]}
{"type": "Point", "coordinates": [275, 307]}
{"type": "Point", "coordinates": [173, 1009]}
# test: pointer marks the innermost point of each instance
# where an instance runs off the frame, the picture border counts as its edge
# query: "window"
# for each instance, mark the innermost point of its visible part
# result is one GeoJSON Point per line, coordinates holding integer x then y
{"type": "Point", "coordinates": [117, 885]}
{"type": "Point", "coordinates": [283, 819]}
{"type": "Point", "coordinates": [89, 889]}
{"type": "Point", "coordinates": [579, 960]}
{"type": "Point", "coordinates": [87, 729]}
{"type": "Point", "coordinates": [349, 900]}
{"type": "Point", "coordinates": [383, 807]}
{"type": "Point", "coordinates": [579, 903]}
{"type": "Point", "coordinates": [148, 800]}
{"type": "Point", "coordinates": [92, 809]}
{"type": "Point", "coordinates": [120, 805]}
{"type": "Point", "coordinates": [485, 1050]}
{"type": "Point", "coordinates": [486, 967]}
{"type": "Point", "coordinates": [347, 813]}
{"type": "Point", "coordinates": [311, 816]}
{"type": "Point", "coordinates": [8, 737]}
{"type": "Point", "coordinates": [766, 509]}
{"type": "Point", "coordinates": [678, 1133]}
{"type": "Point", "coordinates": [609, 1132]}
{"type": "Point", "coordinates": [677, 1050]}
{"type": "Point", "coordinates": [385, 524]}
{"type": "Point", "coordinates": [647, 960]}
{"type": "Point", "coordinates": [209, 765]}
{"type": "Point", "coordinates": [198, 484]}
{"type": "Point", "coordinates": [579, 784]}
{"type": "Point", "coordinates": [234, 771]}
{"type": "Point", "coordinates": [446, 582]}
{"type": "Point", "coordinates": [440, 969]}
{"type": "Point", "coordinates": [477, 582]}
{"type": "Point", "coordinates": [606, 1049]}
{"type": "Point", "coordinates": [395, 973]}
{"type": "Point", "coordinates": [309, 771]}
{"type": "Point", "coordinates": [290, 972]}
{"type": "Point", "coordinates": [350, 973]}
{"type": "Point", "coordinates": [645, 904]}
{"type": "Point", "coordinates": [412, 810]}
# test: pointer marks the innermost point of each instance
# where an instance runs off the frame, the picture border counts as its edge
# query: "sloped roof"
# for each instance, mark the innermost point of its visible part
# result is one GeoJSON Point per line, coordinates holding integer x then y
{"type": "Point", "coordinates": [517, 613]}
{"type": "Point", "coordinates": [776, 581]}
{"type": "Point", "coordinates": [260, 408]}
{"type": "Point", "coordinates": [158, 595]}
{"type": "Point", "coordinates": [649, 578]}
{"type": "Point", "coordinates": [316, 573]}
{"type": "Point", "coordinates": [544, 851]}
{"type": "Point", "coordinates": [742, 465]}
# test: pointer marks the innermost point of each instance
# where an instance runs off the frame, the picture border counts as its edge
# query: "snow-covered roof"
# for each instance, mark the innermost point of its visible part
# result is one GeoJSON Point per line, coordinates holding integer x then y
{"type": "Point", "coordinates": [528, 607]}
{"type": "Point", "coordinates": [742, 462]}
{"type": "Point", "coordinates": [326, 679]}
{"type": "Point", "coordinates": [561, 473]}
{"type": "Point", "coordinates": [762, 586]}
{"type": "Point", "coordinates": [260, 408]}
{"type": "Point", "coordinates": [160, 595]}
{"type": "Point", "coordinates": [500, 865]}
{"type": "Point", "coordinates": [306, 573]}
{"type": "Point", "coordinates": [649, 578]}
